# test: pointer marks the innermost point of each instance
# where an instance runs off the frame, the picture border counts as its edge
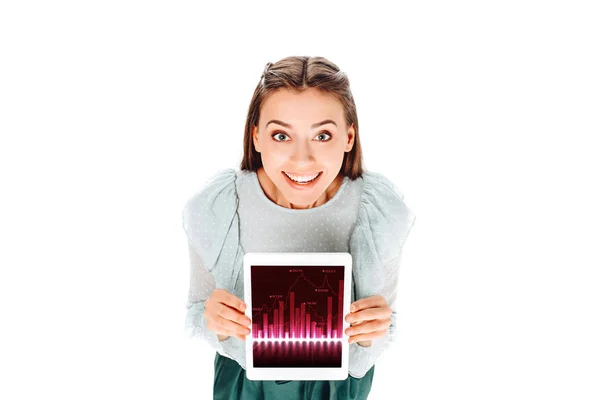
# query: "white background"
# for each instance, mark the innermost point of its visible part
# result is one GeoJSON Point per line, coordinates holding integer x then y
{"type": "Point", "coordinates": [484, 114]}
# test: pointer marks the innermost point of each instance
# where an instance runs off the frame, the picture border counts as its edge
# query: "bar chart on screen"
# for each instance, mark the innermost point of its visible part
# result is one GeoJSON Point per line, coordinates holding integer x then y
{"type": "Point", "coordinates": [297, 316]}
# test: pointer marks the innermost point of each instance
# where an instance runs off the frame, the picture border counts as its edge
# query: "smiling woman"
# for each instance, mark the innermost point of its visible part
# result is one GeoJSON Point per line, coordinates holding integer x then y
{"type": "Point", "coordinates": [300, 188]}
{"type": "Point", "coordinates": [299, 168]}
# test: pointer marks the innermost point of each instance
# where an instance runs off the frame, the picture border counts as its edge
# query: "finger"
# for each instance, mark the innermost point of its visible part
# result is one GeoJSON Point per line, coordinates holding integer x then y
{"type": "Point", "coordinates": [369, 314]}
{"type": "Point", "coordinates": [223, 296]}
{"type": "Point", "coordinates": [232, 327]}
{"type": "Point", "coordinates": [368, 302]}
{"type": "Point", "coordinates": [232, 314]}
{"type": "Point", "coordinates": [227, 332]}
{"type": "Point", "coordinates": [366, 336]}
{"type": "Point", "coordinates": [368, 327]}
{"type": "Point", "coordinates": [218, 325]}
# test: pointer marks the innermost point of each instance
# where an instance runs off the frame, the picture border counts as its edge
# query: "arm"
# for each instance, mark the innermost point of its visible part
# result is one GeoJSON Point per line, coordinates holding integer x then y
{"type": "Point", "coordinates": [202, 284]}
{"type": "Point", "coordinates": [362, 358]}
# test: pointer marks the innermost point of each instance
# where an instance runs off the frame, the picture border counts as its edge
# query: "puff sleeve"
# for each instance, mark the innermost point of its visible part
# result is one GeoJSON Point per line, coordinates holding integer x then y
{"type": "Point", "coordinates": [383, 224]}
{"type": "Point", "coordinates": [210, 224]}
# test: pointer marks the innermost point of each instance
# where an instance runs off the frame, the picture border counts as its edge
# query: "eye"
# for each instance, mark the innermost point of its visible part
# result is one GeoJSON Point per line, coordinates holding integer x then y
{"type": "Point", "coordinates": [277, 134]}
{"type": "Point", "coordinates": [320, 134]}
{"type": "Point", "coordinates": [324, 133]}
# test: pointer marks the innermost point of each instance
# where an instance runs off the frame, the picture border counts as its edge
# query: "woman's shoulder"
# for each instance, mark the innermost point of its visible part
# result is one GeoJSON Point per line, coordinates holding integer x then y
{"type": "Point", "coordinates": [384, 219]}
{"type": "Point", "coordinates": [380, 193]}
{"type": "Point", "coordinates": [216, 192]}
{"type": "Point", "coordinates": [376, 181]}
{"type": "Point", "coordinates": [208, 214]}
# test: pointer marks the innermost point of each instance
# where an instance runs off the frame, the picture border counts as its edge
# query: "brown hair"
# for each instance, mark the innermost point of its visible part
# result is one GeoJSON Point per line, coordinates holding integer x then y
{"type": "Point", "coordinates": [300, 73]}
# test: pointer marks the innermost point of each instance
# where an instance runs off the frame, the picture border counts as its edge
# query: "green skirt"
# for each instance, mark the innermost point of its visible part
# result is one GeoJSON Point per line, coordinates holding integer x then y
{"type": "Point", "coordinates": [230, 383]}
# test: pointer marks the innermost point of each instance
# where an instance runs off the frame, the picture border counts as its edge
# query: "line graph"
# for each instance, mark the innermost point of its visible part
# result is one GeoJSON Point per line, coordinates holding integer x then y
{"type": "Point", "coordinates": [297, 315]}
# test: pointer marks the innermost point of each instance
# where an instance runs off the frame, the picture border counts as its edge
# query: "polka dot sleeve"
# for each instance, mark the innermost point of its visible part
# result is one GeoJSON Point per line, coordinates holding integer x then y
{"type": "Point", "coordinates": [208, 218]}
{"type": "Point", "coordinates": [383, 224]}
{"type": "Point", "coordinates": [202, 284]}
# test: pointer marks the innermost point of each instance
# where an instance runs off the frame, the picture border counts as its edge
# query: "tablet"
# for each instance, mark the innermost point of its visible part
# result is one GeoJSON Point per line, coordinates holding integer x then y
{"type": "Point", "coordinates": [297, 303]}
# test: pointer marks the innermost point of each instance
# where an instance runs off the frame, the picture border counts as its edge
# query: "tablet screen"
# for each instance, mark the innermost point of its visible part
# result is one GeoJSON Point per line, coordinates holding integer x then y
{"type": "Point", "coordinates": [297, 316]}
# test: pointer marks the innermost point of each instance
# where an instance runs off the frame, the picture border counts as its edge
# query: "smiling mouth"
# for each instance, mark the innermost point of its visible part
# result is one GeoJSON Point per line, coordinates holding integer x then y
{"type": "Point", "coordinates": [302, 182]}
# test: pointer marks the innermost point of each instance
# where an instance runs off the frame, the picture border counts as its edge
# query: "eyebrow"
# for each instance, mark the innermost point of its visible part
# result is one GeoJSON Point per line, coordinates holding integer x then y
{"type": "Point", "coordinates": [276, 121]}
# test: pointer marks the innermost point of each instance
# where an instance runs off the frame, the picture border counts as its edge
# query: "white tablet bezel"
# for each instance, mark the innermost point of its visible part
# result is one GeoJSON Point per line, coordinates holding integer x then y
{"type": "Point", "coordinates": [298, 259]}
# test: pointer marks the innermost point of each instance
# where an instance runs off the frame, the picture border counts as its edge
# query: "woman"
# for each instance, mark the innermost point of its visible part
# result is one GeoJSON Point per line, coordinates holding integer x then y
{"type": "Point", "coordinates": [300, 187]}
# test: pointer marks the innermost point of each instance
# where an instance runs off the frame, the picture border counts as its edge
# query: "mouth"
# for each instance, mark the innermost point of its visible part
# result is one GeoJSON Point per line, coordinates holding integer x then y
{"type": "Point", "coordinates": [295, 182]}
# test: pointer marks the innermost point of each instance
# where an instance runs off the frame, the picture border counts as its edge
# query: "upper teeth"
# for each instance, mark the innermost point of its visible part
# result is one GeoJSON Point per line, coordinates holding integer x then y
{"type": "Point", "coordinates": [302, 178]}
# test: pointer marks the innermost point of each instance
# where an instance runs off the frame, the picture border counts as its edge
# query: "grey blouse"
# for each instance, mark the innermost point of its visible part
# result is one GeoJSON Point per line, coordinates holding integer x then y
{"type": "Point", "coordinates": [231, 215]}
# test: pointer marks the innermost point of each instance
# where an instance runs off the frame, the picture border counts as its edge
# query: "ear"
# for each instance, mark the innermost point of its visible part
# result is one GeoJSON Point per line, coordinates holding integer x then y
{"type": "Point", "coordinates": [255, 138]}
{"type": "Point", "coordinates": [350, 143]}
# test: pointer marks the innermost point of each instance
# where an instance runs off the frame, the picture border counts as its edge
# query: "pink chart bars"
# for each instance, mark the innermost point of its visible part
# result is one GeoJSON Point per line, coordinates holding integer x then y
{"type": "Point", "coordinates": [296, 324]}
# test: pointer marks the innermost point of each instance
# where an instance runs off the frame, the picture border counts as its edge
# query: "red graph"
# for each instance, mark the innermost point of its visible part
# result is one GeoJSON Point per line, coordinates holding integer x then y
{"type": "Point", "coordinates": [277, 325]}
{"type": "Point", "coordinates": [293, 306]}
{"type": "Point", "coordinates": [297, 315]}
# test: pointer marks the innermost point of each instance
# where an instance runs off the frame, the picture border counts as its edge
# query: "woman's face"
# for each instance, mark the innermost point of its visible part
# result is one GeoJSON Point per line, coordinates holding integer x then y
{"type": "Point", "coordinates": [291, 139]}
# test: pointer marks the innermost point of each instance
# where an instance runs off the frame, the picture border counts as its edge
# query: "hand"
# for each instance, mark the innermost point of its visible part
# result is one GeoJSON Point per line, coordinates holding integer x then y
{"type": "Point", "coordinates": [369, 319]}
{"type": "Point", "coordinates": [225, 316]}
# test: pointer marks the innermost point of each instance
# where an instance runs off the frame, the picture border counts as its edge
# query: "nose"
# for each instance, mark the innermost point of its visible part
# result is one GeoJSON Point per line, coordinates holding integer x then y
{"type": "Point", "coordinates": [302, 153]}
